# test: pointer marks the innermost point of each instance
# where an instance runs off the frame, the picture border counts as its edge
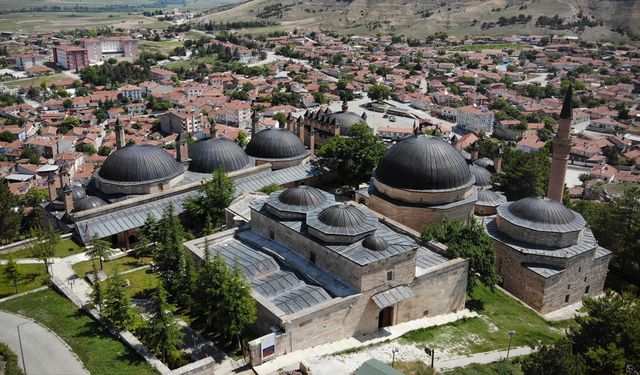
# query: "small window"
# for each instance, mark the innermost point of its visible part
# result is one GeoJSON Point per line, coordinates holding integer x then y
{"type": "Point", "coordinates": [585, 279]}
{"type": "Point", "coordinates": [312, 257]}
{"type": "Point", "coordinates": [566, 298]}
{"type": "Point", "coordinates": [579, 269]}
{"type": "Point", "coordinates": [389, 275]}
{"type": "Point", "coordinates": [272, 235]}
{"type": "Point", "coordinates": [586, 290]}
{"type": "Point", "coordinates": [568, 286]}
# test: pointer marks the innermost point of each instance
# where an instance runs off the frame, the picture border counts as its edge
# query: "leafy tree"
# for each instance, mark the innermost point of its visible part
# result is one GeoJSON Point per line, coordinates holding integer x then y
{"type": "Point", "coordinates": [89, 149]}
{"type": "Point", "coordinates": [268, 189]}
{"type": "Point", "coordinates": [34, 197]}
{"type": "Point", "coordinates": [67, 124]}
{"type": "Point", "coordinates": [379, 92]}
{"type": "Point", "coordinates": [216, 195]}
{"type": "Point", "coordinates": [469, 241]}
{"type": "Point", "coordinates": [117, 303]}
{"type": "Point", "coordinates": [31, 154]}
{"type": "Point", "coordinates": [354, 156]}
{"type": "Point", "coordinates": [9, 217]}
{"type": "Point", "coordinates": [282, 119]}
{"type": "Point", "coordinates": [162, 334]}
{"type": "Point", "coordinates": [44, 245]}
{"type": "Point", "coordinates": [12, 274]}
{"type": "Point", "coordinates": [554, 359]}
{"type": "Point", "coordinates": [208, 294]}
{"type": "Point", "coordinates": [99, 249]}
{"type": "Point", "coordinates": [105, 150]}
{"type": "Point", "coordinates": [241, 139]}
{"type": "Point", "coordinates": [7, 136]}
{"type": "Point", "coordinates": [523, 174]}
{"type": "Point", "coordinates": [67, 103]}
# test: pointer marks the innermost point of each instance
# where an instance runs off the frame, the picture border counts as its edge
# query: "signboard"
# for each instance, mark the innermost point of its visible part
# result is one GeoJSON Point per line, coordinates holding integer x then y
{"type": "Point", "coordinates": [268, 346]}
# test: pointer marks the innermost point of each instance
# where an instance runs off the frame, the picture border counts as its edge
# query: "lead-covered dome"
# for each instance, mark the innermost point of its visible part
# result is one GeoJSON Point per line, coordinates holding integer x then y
{"type": "Point", "coordinates": [342, 216]}
{"type": "Point", "coordinates": [296, 202]}
{"type": "Point", "coordinates": [209, 154]}
{"type": "Point", "coordinates": [276, 143]}
{"type": "Point", "coordinates": [305, 196]}
{"type": "Point", "coordinates": [87, 203]}
{"type": "Point", "coordinates": [375, 243]}
{"type": "Point", "coordinates": [542, 211]}
{"type": "Point", "coordinates": [341, 223]}
{"type": "Point", "coordinates": [345, 120]}
{"type": "Point", "coordinates": [424, 163]}
{"type": "Point", "coordinates": [482, 176]}
{"type": "Point", "coordinates": [140, 164]}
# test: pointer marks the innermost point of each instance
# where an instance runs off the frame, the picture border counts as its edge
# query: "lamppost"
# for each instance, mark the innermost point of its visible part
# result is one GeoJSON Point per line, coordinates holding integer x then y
{"type": "Point", "coordinates": [511, 334]}
{"type": "Point", "coordinates": [24, 366]}
{"type": "Point", "coordinates": [393, 353]}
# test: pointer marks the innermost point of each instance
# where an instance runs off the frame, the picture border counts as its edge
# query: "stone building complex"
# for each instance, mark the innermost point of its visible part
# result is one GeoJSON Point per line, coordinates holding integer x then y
{"type": "Point", "coordinates": [322, 271]}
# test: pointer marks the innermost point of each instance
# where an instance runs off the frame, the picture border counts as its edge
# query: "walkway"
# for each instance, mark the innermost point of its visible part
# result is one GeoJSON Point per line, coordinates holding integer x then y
{"type": "Point", "coordinates": [386, 334]}
{"type": "Point", "coordinates": [481, 358]}
{"type": "Point", "coordinates": [40, 346]}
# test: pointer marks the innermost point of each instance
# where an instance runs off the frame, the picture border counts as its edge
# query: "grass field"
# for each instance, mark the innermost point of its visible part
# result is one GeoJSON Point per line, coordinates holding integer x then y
{"type": "Point", "coordinates": [100, 353]}
{"type": "Point", "coordinates": [510, 367]}
{"type": "Point", "coordinates": [122, 264]}
{"type": "Point", "coordinates": [190, 63]}
{"type": "Point", "coordinates": [32, 276]}
{"type": "Point", "coordinates": [499, 315]}
{"type": "Point", "coordinates": [142, 282]}
{"type": "Point", "coordinates": [38, 80]}
{"type": "Point", "coordinates": [164, 46]}
{"type": "Point", "coordinates": [54, 21]}
{"type": "Point", "coordinates": [64, 248]}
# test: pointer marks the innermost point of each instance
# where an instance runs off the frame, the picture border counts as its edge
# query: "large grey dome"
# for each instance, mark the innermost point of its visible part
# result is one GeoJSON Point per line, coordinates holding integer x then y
{"type": "Point", "coordinates": [209, 154]}
{"type": "Point", "coordinates": [276, 143]}
{"type": "Point", "coordinates": [424, 163]}
{"type": "Point", "coordinates": [482, 175]}
{"type": "Point", "coordinates": [344, 120]}
{"type": "Point", "coordinates": [87, 203]}
{"type": "Point", "coordinates": [140, 163]}
{"type": "Point", "coordinates": [342, 216]}
{"type": "Point", "coordinates": [78, 192]}
{"type": "Point", "coordinates": [304, 196]}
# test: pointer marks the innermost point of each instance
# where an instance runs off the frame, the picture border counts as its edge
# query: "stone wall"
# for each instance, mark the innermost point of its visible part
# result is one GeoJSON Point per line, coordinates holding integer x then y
{"type": "Point", "coordinates": [544, 238]}
{"type": "Point", "coordinates": [424, 197]}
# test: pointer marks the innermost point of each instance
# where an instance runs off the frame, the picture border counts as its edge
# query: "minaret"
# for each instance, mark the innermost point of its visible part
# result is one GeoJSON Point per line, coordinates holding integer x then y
{"type": "Point", "coordinates": [345, 106]}
{"type": "Point", "coordinates": [497, 160]}
{"type": "Point", "coordinates": [561, 148]}
{"type": "Point", "coordinates": [254, 123]}
{"type": "Point", "coordinates": [119, 134]}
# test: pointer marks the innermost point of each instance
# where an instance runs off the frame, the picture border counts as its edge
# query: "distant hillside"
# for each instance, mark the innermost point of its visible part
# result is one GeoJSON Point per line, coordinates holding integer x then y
{"type": "Point", "coordinates": [592, 19]}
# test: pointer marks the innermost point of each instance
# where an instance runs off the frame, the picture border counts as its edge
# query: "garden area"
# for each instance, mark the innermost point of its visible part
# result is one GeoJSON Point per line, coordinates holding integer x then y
{"type": "Point", "coordinates": [109, 267]}
{"type": "Point", "coordinates": [97, 349]}
{"type": "Point", "coordinates": [499, 314]}
{"type": "Point", "coordinates": [64, 248]}
{"type": "Point", "coordinates": [31, 276]}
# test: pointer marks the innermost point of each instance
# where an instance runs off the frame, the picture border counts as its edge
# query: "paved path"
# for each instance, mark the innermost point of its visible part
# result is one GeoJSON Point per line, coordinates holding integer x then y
{"type": "Point", "coordinates": [481, 358]}
{"type": "Point", "coordinates": [388, 333]}
{"type": "Point", "coordinates": [44, 352]}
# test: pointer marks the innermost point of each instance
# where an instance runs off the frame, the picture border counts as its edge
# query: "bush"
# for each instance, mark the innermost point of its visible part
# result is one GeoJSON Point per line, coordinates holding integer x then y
{"type": "Point", "coordinates": [10, 361]}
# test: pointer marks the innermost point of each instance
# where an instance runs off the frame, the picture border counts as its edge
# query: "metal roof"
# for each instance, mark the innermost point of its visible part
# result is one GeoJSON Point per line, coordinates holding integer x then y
{"type": "Point", "coordinates": [342, 220]}
{"type": "Point", "coordinates": [136, 164]}
{"type": "Point", "coordinates": [424, 163]}
{"type": "Point", "coordinates": [490, 198]}
{"type": "Point", "coordinates": [542, 214]}
{"type": "Point", "coordinates": [392, 296]}
{"type": "Point", "coordinates": [275, 143]}
{"type": "Point", "coordinates": [543, 269]}
{"type": "Point", "coordinates": [299, 199]}
{"type": "Point", "coordinates": [209, 154]}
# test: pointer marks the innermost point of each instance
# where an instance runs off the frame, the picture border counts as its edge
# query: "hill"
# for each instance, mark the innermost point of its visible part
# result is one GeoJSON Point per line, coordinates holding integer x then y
{"type": "Point", "coordinates": [591, 19]}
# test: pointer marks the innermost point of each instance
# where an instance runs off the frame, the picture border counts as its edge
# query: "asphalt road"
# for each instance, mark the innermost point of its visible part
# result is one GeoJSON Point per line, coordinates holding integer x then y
{"type": "Point", "coordinates": [44, 352]}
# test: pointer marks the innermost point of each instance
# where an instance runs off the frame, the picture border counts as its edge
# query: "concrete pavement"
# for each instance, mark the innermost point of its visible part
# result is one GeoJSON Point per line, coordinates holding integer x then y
{"type": "Point", "coordinates": [44, 352]}
{"type": "Point", "coordinates": [481, 358]}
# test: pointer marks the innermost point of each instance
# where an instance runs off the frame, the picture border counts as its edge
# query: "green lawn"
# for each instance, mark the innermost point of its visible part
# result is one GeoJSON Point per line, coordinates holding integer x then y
{"type": "Point", "coordinates": [499, 315]}
{"type": "Point", "coordinates": [64, 248]}
{"type": "Point", "coordinates": [37, 80]}
{"type": "Point", "coordinates": [142, 282]}
{"type": "Point", "coordinates": [109, 267]}
{"type": "Point", "coordinates": [33, 276]}
{"type": "Point", "coordinates": [190, 63]}
{"type": "Point", "coordinates": [97, 349]}
{"type": "Point", "coordinates": [164, 46]}
{"type": "Point", "coordinates": [511, 367]}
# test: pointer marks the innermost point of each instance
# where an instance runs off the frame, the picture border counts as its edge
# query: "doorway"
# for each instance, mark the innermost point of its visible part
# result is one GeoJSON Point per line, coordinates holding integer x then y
{"type": "Point", "coordinates": [385, 318]}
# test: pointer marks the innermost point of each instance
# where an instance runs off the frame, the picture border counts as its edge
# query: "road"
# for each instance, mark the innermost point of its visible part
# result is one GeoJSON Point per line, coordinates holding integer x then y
{"type": "Point", "coordinates": [44, 352]}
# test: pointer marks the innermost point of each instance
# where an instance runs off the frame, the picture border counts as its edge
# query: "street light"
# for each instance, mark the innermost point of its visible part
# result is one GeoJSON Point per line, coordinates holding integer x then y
{"type": "Point", "coordinates": [511, 334]}
{"type": "Point", "coordinates": [393, 352]}
{"type": "Point", "coordinates": [24, 366]}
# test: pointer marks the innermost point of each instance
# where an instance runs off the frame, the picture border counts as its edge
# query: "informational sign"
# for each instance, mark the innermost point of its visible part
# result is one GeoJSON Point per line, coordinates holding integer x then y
{"type": "Point", "coordinates": [268, 346]}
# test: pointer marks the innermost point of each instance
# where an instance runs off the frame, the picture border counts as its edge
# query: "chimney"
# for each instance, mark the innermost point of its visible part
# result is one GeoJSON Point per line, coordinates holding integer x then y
{"type": "Point", "coordinates": [119, 134]}
{"type": "Point", "coordinates": [68, 199]}
{"type": "Point", "coordinates": [345, 106]}
{"type": "Point", "coordinates": [454, 141]}
{"type": "Point", "coordinates": [364, 116]}
{"type": "Point", "coordinates": [53, 194]}
{"type": "Point", "coordinates": [497, 160]}
{"type": "Point", "coordinates": [182, 148]}
{"type": "Point", "coordinates": [290, 121]}
{"type": "Point", "coordinates": [561, 147]}
{"type": "Point", "coordinates": [254, 123]}
{"type": "Point", "coordinates": [301, 129]}
{"type": "Point", "coordinates": [312, 143]}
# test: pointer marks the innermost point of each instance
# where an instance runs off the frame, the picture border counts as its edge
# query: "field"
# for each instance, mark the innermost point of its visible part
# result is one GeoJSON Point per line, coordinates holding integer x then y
{"type": "Point", "coordinates": [14, 4]}
{"type": "Point", "coordinates": [64, 248]}
{"type": "Point", "coordinates": [100, 353]}
{"type": "Point", "coordinates": [165, 46]}
{"type": "Point", "coordinates": [499, 315]}
{"type": "Point", "coordinates": [511, 367]}
{"type": "Point", "coordinates": [32, 276]}
{"type": "Point", "coordinates": [53, 21]}
{"type": "Point", "coordinates": [37, 80]}
{"type": "Point", "coordinates": [480, 47]}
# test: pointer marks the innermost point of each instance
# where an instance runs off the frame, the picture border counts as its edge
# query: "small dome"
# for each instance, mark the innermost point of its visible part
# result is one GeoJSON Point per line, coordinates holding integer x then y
{"type": "Point", "coordinates": [344, 120]}
{"type": "Point", "coordinates": [482, 175]}
{"type": "Point", "coordinates": [87, 203]}
{"type": "Point", "coordinates": [209, 154]}
{"type": "Point", "coordinates": [342, 216]}
{"type": "Point", "coordinates": [276, 143]}
{"type": "Point", "coordinates": [490, 198]}
{"type": "Point", "coordinates": [139, 164]}
{"type": "Point", "coordinates": [542, 211]}
{"type": "Point", "coordinates": [375, 243]}
{"type": "Point", "coordinates": [78, 192]}
{"type": "Point", "coordinates": [424, 163]}
{"type": "Point", "coordinates": [484, 163]}
{"type": "Point", "coordinates": [302, 196]}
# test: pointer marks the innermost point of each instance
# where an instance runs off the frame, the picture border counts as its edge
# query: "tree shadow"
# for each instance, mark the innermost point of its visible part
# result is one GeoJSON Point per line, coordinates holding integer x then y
{"type": "Point", "coordinates": [474, 304]}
